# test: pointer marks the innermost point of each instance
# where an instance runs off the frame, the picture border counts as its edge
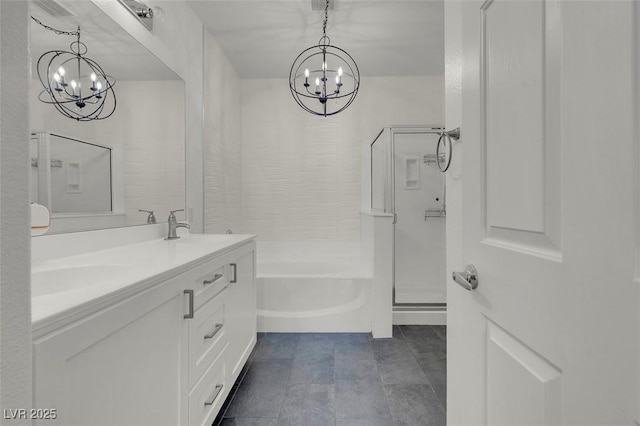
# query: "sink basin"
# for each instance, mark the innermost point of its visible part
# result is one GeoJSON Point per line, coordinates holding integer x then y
{"type": "Point", "coordinates": [58, 280]}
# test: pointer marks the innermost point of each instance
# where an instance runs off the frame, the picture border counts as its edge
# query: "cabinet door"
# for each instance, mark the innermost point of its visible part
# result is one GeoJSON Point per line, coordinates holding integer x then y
{"type": "Point", "coordinates": [241, 312]}
{"type": "Point", "coordinates": [119, 367]}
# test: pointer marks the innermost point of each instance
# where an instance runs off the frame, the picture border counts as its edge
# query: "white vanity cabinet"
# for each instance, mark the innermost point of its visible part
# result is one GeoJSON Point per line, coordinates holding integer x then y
{"type": "Point", "coordinates": [222, 333]}
{"type": "Point", "coordinates": [167, 355]}
{"type": "Point", "coordinates": [122, 365]}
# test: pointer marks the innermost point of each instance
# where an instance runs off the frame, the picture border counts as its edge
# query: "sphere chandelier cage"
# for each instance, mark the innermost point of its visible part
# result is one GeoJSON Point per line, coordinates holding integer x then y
{"type": "Point", "coordinates": [324, 79]}
{"type": "Point", "coordinates": [74, 84]}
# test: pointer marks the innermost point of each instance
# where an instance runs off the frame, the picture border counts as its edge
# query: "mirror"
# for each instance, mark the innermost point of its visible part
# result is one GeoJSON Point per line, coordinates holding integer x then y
{"type": "Point", "coordinates": [98, 174]}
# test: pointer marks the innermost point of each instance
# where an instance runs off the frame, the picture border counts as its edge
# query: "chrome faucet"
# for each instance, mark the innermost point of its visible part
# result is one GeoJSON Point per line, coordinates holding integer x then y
{"type": "Point", "coordinates": [174, 224]}
{"type": "Point", "coordinates": [151, 218]}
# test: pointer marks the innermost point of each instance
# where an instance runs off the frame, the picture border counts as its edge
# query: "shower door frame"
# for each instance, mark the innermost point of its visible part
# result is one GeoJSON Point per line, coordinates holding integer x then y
{"type": "Point", "coordinates": [428, 129]}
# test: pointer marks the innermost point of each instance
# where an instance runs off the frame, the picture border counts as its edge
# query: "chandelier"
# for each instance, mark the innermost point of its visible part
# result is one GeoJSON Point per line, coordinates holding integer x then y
{"type": "Point", "coordinates": [324, 79]}
{"type": "Point", "coordinates": [75, 84]}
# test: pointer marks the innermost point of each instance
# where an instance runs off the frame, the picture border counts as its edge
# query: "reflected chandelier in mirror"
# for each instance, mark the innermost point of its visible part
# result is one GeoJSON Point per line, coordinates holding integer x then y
{"type": "Point", "coordinates": [96, 103]}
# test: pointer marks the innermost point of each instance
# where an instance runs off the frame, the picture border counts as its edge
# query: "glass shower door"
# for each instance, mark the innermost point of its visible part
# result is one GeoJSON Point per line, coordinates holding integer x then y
{"type": "Point", "coordinates": [419, 234]}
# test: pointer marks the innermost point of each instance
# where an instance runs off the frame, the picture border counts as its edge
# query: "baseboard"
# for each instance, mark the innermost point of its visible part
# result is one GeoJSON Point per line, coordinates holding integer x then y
{"type": "Point", "coordinates": [420, 317]}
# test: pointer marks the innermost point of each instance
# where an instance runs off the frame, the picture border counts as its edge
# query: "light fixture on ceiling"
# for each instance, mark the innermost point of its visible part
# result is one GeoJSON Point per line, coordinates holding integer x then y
{"type": "Point", "coordinates": [324, 79]}
{"type": "Point", "coordinates": [75, 84]}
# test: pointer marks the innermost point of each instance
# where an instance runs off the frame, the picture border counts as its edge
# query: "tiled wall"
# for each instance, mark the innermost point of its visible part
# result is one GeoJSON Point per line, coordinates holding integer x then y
{"type": "Point", "coordinates": [154, 151]}
{"type": "Point", "coordinates": [301, 174]}
{"type": "Point", "coordinates": [222, 143]}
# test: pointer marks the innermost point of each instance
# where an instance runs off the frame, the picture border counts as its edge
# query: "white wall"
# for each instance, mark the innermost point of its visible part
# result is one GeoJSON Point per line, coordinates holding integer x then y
{"type": "Point", "coordinates": [15, 300]}
{"type": "Point", "coordinates": [222, 142]}
{"type": "Point", "coordinates": [301, 174]}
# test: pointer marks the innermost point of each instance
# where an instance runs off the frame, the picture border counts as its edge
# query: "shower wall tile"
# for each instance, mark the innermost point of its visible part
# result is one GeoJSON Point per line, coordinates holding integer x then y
{"type": "Point", "coordinates": [301, 174]}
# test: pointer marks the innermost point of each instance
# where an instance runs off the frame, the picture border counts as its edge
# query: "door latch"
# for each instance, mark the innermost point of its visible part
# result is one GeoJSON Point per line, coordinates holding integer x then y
{"type": "Point", "coordinates": [467, 279]}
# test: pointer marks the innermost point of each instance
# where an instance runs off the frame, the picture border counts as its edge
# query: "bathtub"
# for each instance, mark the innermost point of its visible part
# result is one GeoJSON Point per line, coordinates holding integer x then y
{"type": "Point", "coordinates": [313, 286]}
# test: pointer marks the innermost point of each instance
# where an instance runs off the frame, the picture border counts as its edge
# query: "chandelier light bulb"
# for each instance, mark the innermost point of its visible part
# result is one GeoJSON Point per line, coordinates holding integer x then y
{"type": "Point", "coordinates": [99, 89]}
{"type": "Point", "coordinates": [317, 85]}
{"type": "Point", "coordinates": [74, 87]}
{"type": "Point", "coordinates": [57, 86]}
{"type": "Point", "coordinates": [306, 73]}
{"type": "Point", "coordinates": [61, 72]}
{"type": "Point", "coordinates": [340, 72]}
{"type": "Point", "coordinates": [93, 77]}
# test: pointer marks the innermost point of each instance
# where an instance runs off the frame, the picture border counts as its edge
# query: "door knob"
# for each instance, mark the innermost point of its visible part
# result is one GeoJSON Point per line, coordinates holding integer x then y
{"type": "Point", "coordinates": [467, 279]}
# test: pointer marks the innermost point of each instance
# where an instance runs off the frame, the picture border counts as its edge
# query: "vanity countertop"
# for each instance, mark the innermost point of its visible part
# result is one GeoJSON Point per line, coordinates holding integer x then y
{"type": "Point", "coordinates": [68, 288]}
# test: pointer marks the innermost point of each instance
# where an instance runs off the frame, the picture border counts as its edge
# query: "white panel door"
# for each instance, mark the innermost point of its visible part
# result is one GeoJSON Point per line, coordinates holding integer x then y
{"type": "Point", "coordinates": [419, 242]}
{"type": "Point", "coordinates": [550, 218]}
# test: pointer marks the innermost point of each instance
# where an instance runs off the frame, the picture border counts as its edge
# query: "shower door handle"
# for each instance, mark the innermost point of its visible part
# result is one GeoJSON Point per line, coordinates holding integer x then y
{"type": "Point", "coordinates": [467, 279]}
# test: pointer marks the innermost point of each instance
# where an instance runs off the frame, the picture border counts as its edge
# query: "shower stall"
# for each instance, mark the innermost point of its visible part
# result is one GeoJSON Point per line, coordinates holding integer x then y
{"type": "Point", "coordinates": [407, 183]}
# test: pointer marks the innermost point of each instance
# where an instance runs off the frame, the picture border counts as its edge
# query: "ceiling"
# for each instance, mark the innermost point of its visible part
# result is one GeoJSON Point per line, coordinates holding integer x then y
{"type": "Point", "coordinates": [261, 38]}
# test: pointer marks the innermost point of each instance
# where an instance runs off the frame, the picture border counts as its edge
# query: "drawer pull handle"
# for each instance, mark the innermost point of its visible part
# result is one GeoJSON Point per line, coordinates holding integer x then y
{"type": "Point", "coordinates": [215, 331]}
{"type": "Point", "coordinates": [215, 278]}
{"type": "Point", "coordinates": [216, 392]}
{"type": "Point", "coordinates": [235, 273]}
{"type": "Point", "coordinates": [190, 294]}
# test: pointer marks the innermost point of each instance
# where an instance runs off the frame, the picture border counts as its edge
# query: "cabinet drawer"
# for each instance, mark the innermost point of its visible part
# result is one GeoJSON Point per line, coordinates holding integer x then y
{"type": "Point", "coordinates": [208, 280]}
{"type": "Point", "coordinates": [207, 397]}
{"type": "Point", "coordinates": [207, 336]}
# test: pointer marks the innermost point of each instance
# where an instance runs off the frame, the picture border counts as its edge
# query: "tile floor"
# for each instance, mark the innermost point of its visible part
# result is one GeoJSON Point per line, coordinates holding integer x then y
{"type": "Point", "coordinates": [342, 379]}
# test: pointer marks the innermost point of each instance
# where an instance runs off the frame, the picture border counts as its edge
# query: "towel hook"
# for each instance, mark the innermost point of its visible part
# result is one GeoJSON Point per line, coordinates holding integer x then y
{"type": "Point", "coordinates": [451, 134]}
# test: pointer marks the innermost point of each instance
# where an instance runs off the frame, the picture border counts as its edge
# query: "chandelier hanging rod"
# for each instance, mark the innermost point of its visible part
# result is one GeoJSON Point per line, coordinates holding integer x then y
{"type": "Point", "coordinates": [326, 18]}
